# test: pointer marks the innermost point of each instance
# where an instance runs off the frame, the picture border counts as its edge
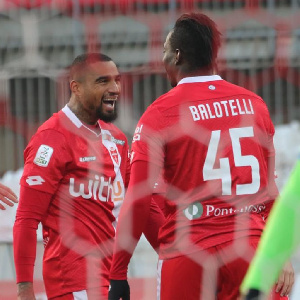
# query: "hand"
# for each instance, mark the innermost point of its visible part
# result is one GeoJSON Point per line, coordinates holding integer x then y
{"type": "Point", "coordinates": [119, 289]}
{"type": "Point", "coordinates": [7, 196]}
{"type": "Point", "coordinates": [286, 280]}
{"type": "Point", "coordinates": [25, 291]}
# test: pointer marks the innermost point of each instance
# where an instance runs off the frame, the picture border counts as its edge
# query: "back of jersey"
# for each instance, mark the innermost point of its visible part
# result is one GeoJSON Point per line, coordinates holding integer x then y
{"type": "Point", "coordinates": [214, 141]}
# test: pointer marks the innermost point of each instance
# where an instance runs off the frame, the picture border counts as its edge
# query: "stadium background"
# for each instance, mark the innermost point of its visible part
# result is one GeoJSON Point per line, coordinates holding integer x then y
{"type": "Point", "coordinates": [40, 38]}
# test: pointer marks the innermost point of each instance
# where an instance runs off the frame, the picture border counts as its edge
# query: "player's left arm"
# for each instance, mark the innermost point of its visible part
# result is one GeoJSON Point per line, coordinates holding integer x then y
{"type": "Point", "coordinates": [133, 219]}
{"type": "Point", "coordinates": [286, 277]}
{"type": "Point", "coordinates": [155, 221]}
{"type": "Point", "coordinates": [285, 280]}
{"type": "Point", "coordinates": [134, 216]}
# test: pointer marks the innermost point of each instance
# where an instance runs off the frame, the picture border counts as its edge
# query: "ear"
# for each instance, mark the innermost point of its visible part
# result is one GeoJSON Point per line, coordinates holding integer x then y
{"type": "Point", "coordinates": [75, 87]}
{"type": "Point", "coordinates": [178, 56]}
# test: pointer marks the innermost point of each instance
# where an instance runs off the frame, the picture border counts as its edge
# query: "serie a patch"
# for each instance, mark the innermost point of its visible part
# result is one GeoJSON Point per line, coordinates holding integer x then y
{"type": "Point", "coordinates": [43, 156]}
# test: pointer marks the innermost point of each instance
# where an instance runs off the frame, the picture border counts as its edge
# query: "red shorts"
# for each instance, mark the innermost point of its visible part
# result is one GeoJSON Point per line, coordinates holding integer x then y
{"type": "Point", "coordinates": [215, 273]}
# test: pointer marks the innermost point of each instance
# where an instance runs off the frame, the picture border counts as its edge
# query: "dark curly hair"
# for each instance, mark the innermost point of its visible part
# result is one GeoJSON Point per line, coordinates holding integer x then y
{"type": "Point", "coordinates": [198, 39]}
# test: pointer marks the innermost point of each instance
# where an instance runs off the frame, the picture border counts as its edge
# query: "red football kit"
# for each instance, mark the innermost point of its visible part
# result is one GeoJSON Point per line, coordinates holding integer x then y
{"type": "Point", "coordinates": [214, 142]}
{"type": "Point", "coordinates": [73, 182]}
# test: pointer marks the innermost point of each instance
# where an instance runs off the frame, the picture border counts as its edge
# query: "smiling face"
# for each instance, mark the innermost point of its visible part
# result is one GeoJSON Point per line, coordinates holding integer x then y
{"type": "Point", "coordinates": [96, 92]}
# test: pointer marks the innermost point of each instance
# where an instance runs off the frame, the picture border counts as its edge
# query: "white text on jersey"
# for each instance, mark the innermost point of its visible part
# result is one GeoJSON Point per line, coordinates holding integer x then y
{"type": "Point", "coordinates": [99, 189]}
{"type": "Point", "coordinates": [219, 109]}
{"type": "Point", "coordinates": [137, 133]}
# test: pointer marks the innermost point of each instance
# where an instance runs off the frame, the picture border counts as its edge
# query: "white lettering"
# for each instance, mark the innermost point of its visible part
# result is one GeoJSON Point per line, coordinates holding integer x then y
{"type": "Point", "coordinates": [232, 107]}
{"type": "Point", "coordinates": [224, 103]}
{"type": "Point", "coordinates": [194, 113]}
{"type": "Point", "coordinates": [248, 112]}
{"type": "Point", "coordinates": [251, 107]}
{"type": "Point", "coordinates": [216, 212]}
{"type": "Point", "coordinates": [218, 109]}
{"type": "Point", "coordinates": [241, 112]}
{"type": "Point", "coordinates": [137, 133]}
{"type": "Point", "coordinates": [209, 209]}
{"type": "Point", "coordinates": [203, 111]}
{"type": "Point", "coordinates": [209, 112]}
{"type": "Point", "coordinates": [212, 110]}
{"type": "Point", "coordinates": [98, 189]}
{"type": "Point", "coordinates": [224, 212]}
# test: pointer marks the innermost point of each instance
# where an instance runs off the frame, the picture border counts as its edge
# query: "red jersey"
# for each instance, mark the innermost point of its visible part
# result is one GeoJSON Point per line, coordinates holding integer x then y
{"type": "Point", "coordinates": [214, 142]}
{"type": "Point", "coordinates": [86, 172]}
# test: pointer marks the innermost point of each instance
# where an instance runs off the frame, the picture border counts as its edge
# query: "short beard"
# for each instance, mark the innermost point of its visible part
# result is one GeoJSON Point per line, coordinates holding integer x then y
{"type": "Point", "coordinates": [107, 117]}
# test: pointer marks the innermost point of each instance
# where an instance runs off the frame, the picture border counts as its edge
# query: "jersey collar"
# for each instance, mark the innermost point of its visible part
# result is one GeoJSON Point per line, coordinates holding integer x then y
{"type": "Point", "coordinates": [199, 79]}
{"type": "Point", "coordinates": [73, 118]}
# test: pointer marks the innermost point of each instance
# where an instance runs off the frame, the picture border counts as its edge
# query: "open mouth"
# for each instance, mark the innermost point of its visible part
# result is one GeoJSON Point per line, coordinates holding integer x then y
{"type": "Point", "coordinates": [109, 102]}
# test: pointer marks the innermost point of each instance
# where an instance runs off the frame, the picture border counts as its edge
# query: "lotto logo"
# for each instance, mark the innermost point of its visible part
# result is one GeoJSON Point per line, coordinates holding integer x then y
{"type": "Point", "coordinates": [35, 180]}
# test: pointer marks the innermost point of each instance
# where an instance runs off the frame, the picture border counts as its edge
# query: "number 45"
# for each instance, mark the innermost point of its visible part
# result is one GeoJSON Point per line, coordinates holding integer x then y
{"type": "Point", "coordinates": [223, 172]}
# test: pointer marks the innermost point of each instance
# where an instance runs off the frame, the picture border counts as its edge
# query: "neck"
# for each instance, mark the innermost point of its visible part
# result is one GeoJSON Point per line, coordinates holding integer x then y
{"type": "Point", "coordinates": [202, 72]}
{"type": "Point", "coordinates": [79, 111]}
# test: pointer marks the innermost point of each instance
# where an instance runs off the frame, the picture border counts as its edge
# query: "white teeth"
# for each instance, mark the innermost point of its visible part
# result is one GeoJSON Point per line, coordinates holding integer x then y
{"type": "Point", "coordinates": [110, 99]}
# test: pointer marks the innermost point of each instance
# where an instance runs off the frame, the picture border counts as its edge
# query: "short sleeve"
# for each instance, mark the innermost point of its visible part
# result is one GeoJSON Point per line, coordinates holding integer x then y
{"type": "Point", "coordinates": [149, 138]}
{"type": "Point", "coordinates": [46, 158]}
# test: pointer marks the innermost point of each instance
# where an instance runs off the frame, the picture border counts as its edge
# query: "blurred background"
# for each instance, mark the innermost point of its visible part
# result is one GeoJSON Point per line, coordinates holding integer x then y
{"type": "Point", "coordinates": [40, 38]}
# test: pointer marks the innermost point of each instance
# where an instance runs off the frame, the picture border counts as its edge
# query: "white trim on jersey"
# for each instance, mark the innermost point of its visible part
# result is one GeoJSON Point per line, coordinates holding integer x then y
{"type": "Point", "coordinates": [199, 79]}
{"type": "Point", "coordinates": [68, 112]}
{"type": "Point", "coordinates": [81, 295]}
{"type": "Point", "coordinates": [111, 147]}
{"type": "Point", "coordinates": [72, 116]}
{"type": "Point", "coordinates": [158, 277]}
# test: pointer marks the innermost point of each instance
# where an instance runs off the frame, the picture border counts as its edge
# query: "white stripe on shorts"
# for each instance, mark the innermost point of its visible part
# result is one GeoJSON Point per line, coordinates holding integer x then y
{"type": "Point", "coordinates": [159, 266]}
{"type": "Point", "coordinates": [81, 295]}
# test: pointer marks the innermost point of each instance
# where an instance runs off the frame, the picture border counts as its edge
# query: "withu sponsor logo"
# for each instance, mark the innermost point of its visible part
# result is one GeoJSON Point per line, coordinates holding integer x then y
{"type": "Point", "coordinates": [99, 189]}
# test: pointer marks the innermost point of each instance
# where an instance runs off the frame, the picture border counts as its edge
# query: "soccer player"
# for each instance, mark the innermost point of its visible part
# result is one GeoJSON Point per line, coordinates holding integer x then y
{"type": "Point", "coordinates": [279, 241]}
{"type": "Point", "coordinates": [7, 196]}
{"type": "Point", "coordinates": [213, 143]}
{"type": "Point", "coordinates": [75, 174]}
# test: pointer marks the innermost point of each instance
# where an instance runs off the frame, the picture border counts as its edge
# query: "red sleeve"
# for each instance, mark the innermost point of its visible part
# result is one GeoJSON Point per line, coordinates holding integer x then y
{"type": "Point", "coordinates": [32, 207]}
{"type": "Point", "coordinates": [273, 190]}
{"type": "Point", "coordinates": [133, 216]}
{"type": "Point", "coordinates": [51, 147]}
{"type": "Point", "coordinates": [149, 137]}
{"type": "Point", "coordinates": [127, 176]}
{"type": "Point", "coordinates": [272, 187]}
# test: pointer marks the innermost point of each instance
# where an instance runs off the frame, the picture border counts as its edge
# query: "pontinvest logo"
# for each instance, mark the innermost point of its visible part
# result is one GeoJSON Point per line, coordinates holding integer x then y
{"type": "Point", "coordinates": [193, 211]}
{"type": "Point", "coordinates": [43, 155]}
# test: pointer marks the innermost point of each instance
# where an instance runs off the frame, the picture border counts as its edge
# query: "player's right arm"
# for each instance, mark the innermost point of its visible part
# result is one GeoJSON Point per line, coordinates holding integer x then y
{"type": "Point", "coordinates": [32, 207]}
{"type": "Point", "coordinates": [25, 291]}
{"type": "Point", "coordinates": [7, 196]}
{"type": "Point", "coordinates": [45, 159]}
{"type": "Point", "coordinates": [279, 239]}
